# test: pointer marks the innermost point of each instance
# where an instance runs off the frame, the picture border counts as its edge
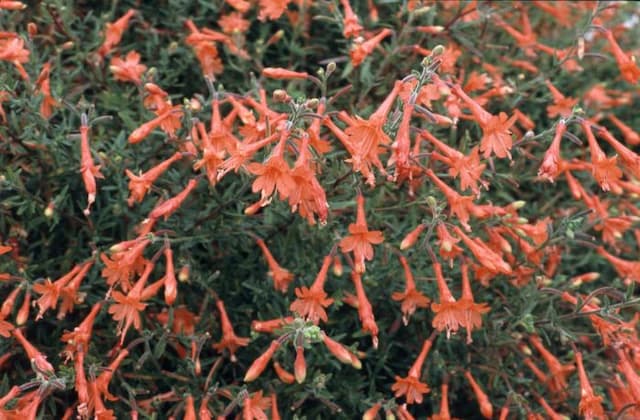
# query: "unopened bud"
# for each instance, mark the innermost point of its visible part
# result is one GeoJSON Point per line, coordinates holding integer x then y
{"type": "Point", "coordinates": [437, 50]}
{"type": "Point", "coordinates": [337, 266]}
{"type": "Point", "coordinates": [32, 29]}
{"type": "Point", "coordinates": [280, 95]}
{"type": "Point", "coordinates": [331, 67]}
{"type": "Point", "coordinates": [580, 48]}
{"type": "Point", "coordinates": [183, 274]}
{"type": "Point", "coordinates": [195, 104]}
{"type": "Point", "coordinates": [48, 211]}
{"type": "Point", "coordinates": [518, 204]}
{"type": "Point", "coordinates": [421, 10]}
{"type": "Point", "coordinates": [431, 201]}
{"type": "Point", "coordinates": [312, 103]}
{"type": "Point", "coordinates": [67, 45]}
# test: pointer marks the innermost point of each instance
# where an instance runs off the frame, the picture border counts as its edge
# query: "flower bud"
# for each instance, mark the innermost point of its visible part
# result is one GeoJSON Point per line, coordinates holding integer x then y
{"type": "Point", "coordinates": [437, 50]}
{"type": "Point", "coordinates": [331, 67]}
{"type": "Point", "coordinates": [258, 366]}
{"type": "Point", "coordinates": [183, 274]}
{"type": "Point", "coordinates": [372, 412]}
{"type": "Point", "coordinates": [412, 237]}
{"type": "Point", "coordinates": [48, 211]}
{"type": "Point", "coordinates": [337, 266]}
{"type": "Point", "coordinates": [300, 365]}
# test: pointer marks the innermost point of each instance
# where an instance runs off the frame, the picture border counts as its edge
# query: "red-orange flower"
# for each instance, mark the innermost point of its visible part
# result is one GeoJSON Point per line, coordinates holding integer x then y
{"type": "Point", "coordinates": [552, 164]}
{"type": "Point", "coordinates": [230, 341]}
{"type": "Point", "coordinates": [590, 404]}
{"type": "Point", "coordinates": [127, 308]}
{"type": "Point", "coordinates": [605, 170]}
{"type": "Point", "coordinates": [628, 67]}
{"type": "Point", "coordinates": [281, 276]}
{"type": "Point", "coordinates": [233, 23]}
{"type": "Point", "coordinates": [351, 26]}
{"type": "Point", "coordinates": [311, 302]}
{"type": "Point", "coordinates": [361, 239]}
{"type": "Point", "coordinates": [496, 138]}
{"type": "Point", "coordinates": [129, 69]}
{"type": "Point", "coordinates": [360, 51]}
{"type": "Point", "coordinates": [113, 32]}
{"type": "Point", "coordinates": [365, 311]}
{"type": "Point", "coordinates": [410, 386]}
{"type": "Point", "coordinates": [411, 298]}
{"type": "Point", "coordinates": [562, 106]}
{"type": "Point", "coordinates": [139, 185]}
{"type": "Point", "coordinates": [272, 9]}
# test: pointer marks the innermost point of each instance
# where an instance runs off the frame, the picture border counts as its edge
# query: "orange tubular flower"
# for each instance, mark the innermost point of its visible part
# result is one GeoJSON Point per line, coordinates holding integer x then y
{"type": "Point", "coordinates": [562, 106]}
{"type": "Point", "coordinates": [272, 9]}
{"type": "Point", "coordinates": [557, 379]}
{"type": "Point", "coordinates": [169, 279]}
{"type": "Point", "coordinates": [590, 404]}
{"type": "Point", "coordinates": [259, 365]}
{"type": "Point", "coordinates": [447, 244]}
{"type": "Point", "coordinates": [410, 386]}
{"type": "Point", "coordinates": [552, 164]}
{"type": "Point", "coordinates": [274, 174]}
{"type": "Point", "coordinates": [281, 276]}
{"type": "Point", "coordinates": [628, 67]}
{"type": "Point", "coordinates": [485, 256]}
{"type": "Point", "coordinates": [411, 298]}
{"type": "Point", "coordinates": [365, 312]}
{"type": "Point", "coordinates": [127, 308]}
{"type": "Point", "coordinates": [167, 208]}
{"type": "Point", "coordinates": [271, 325]}
{"type": "Point", "coordinates": [43, 86]}
{"type": "Point", "coordinates": [81, 335]}
{"type": "Point", "coordinates": [411, 238]}
{"type": "Point", "coordinates": [145, 129]}
{"type": "Point", "coordinates": [341, 352]}
{"type": "Point", "coordinates": [372, 412]}
{"type": "Point", "coordinates": [12, 5]}
{"type": "Point", "coordinates": [459, 204]}
{"type": "Point", "coordinates": [12, 50]}
{"type": "Point", "coordinates": [126, 260]}
{"type": "Point", "coordinates": [88, 169]}
{"type": "Point", "coordinates": [351, 26]}
{"type": "Point", "coordinates": [496, 137]}
{"type": "Point", "coordinates": [51, 291]}
{"type": "Point", "coordinates": [444, 413]}
{"type": "Point", "coordinates": [471, 311]}
{"type": "Point", "coordinates": [449, 315]}
{"type": "Point", "coordinates": [630, 159]}
{"type": "Point", "coordinates": [113, 32]}
{"type": "Point", "coordinates": [300, 365]}
{"type": "Point", "coordinates": [129, 69]}
{"type": "Point", "coordinates": [38, 360]}
{"type": "Point", "coordinates": [486, 409]}
{"type": "Point", "coordinates": [605, 170]}
{"type": "Point", "coordinates": [283, 375]}
{"type": "Point", "coordinates": [229, 340]}
{"type": "Point", "coordinates": [630, 136]}
{"type": "Point", "coordinates": [311, 302]}
{"type": "Point", "coordinates": [69, 293]}
{"type": "Point", "coordinates": [361, 239]}
{"type": "Point", "coordinates": [629, 271]}
{"type": "Point", "coordinates": [283, 74]}
{"type": "Point", "coordinates": [467, 167]}
{"type": "Point", "coordinates": [360, 51]}
{"type": "Point", "coordinates": [139, 185]}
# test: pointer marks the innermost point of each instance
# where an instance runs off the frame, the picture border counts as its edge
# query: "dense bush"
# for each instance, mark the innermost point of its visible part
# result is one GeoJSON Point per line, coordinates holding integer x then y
{"type": "Point", "coordinates": [304, 209]}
